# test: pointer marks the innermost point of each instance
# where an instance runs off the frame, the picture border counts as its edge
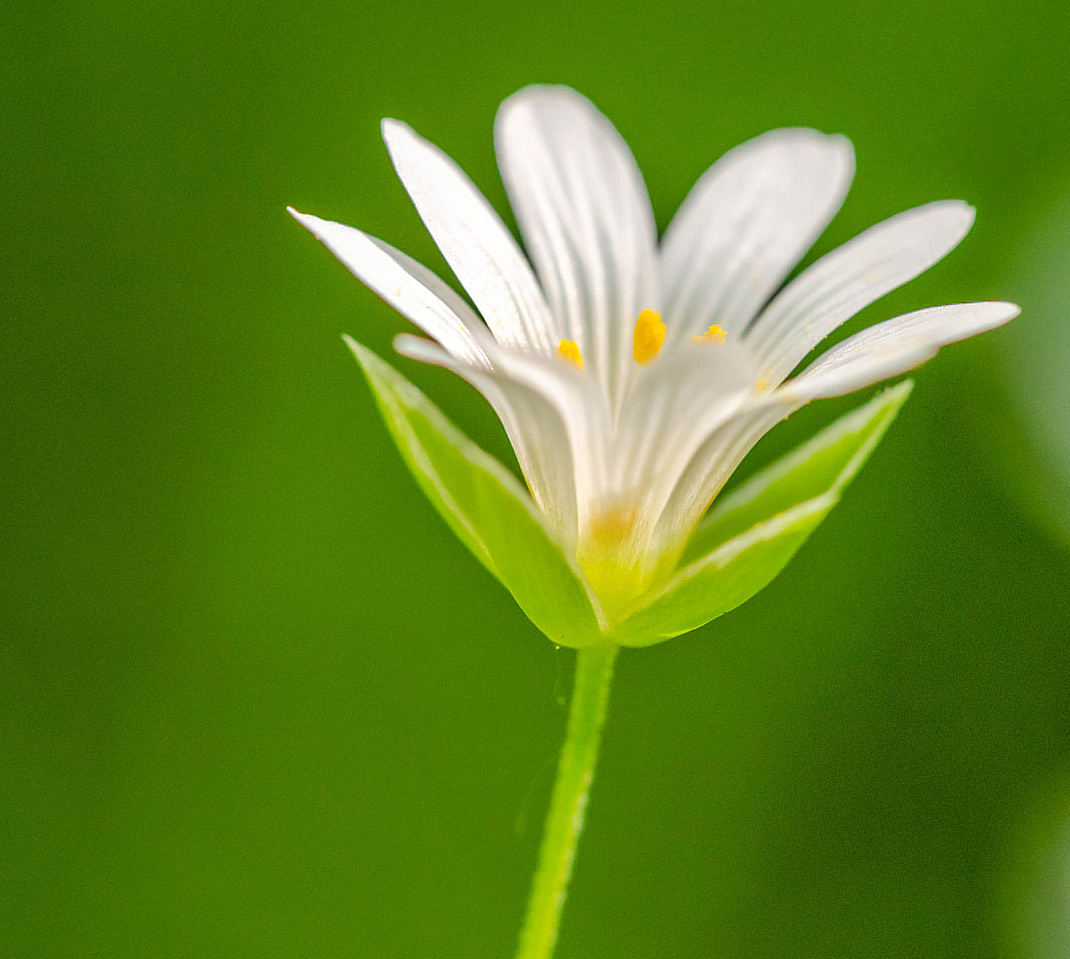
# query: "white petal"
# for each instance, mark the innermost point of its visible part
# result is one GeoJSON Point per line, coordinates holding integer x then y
{"type": "Point", "coordinates": [673, 405]}
{"type": "Point", "coordinates": [474, 241]}
{"type": "Point", "coordinates": [713, 463]}
{"type": "Point", "coordinates": [895, 346]}
{"type": "Point", "coordinates": [884, 350]}
{"type": "Point", "coordinates": [851, 277]}
{"type": "Point", "coordinates": [555, 421]}
{"type": "Point", "coordinates": [409, 287]}
{"type": "Point", "coordinates": [586, 219]}
{"type": "Point", "coordinates": [746, 223]}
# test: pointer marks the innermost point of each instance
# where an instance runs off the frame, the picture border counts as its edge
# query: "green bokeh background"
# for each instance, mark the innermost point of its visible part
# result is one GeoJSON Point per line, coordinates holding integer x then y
{"type": "Point", "coordinates": [255, 701]}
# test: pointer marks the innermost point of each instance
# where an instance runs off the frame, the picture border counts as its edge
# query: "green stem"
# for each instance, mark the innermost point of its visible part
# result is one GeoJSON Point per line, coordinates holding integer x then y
{"type": "Point", "coordinates": [564, 821]}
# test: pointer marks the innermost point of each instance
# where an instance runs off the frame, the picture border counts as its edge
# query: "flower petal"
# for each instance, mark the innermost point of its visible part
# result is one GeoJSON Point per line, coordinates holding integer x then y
{"type": "Point", "coordinates": [825, 463]}
{"type": "Point", "coordinates": [750, 534]}
{"type": "Point", "coordinates": [895, 346]}
{"type": "Point", "coordinates": [408, 286]}
{"type": "Point", "coordinates": [671, 407]}
{"type": "Point", "coordinates": [850, 278]}
{"type": "Point", "coordinates": [555, 419]}
{"type": "Point", "coordinates": [746, 223]}
{"type": "Point", "coordinates": [713, 462]}
{"type": "Point", "coordinates": [586, 219]}
{"type": "Point", "coordinates": [474, 241]}
{"type": "Point", "coordinates": [882, 351]}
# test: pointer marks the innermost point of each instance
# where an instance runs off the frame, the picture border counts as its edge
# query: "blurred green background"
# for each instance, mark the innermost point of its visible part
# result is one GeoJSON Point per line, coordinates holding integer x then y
{"type": "Point", "coordinates": [255, 701]}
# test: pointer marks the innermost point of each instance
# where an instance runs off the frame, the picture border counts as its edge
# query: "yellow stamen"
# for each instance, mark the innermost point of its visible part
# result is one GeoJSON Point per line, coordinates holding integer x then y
{"type": "Point", "coordinates": [760, 385]}
{"type": "Point", "coordinates": [648, 336]}
{"type": "Point", "coordinates": [715, 334]}
{"type": "Point", "coordinates": [568, 350]}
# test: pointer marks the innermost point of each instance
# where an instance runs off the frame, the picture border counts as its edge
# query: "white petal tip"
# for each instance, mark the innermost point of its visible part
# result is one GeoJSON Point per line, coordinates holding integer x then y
{"type": "Point", "coordinates": [424, 351]}
{"type": "Point", "coordinates": [952, 214]}
{"type": "Point", "coordinates": [844, 150]}
{"type": "Point", "coordinates": [1013, 310]}
{"type": "Point", "coordinates": [394, 131]}
{"type": "Point", "coordinates": [996, 314]}
{"type": "Point", "coordinates": [311, 223]}
{"type": "Point", "coordinates": [957, 321]}
{"type": "Point", "coordinates": [548, 101]}
{"type": "Point", "coordinates": [808, 134]}
{"type": "Point", "coordinates": [958, 210]}
{"type": "Point", "coordinates": [406, 343]}
{"type": "Point", "coordinates": [545, 92]}
{"type": "Point", "coordinates": [800, 139]}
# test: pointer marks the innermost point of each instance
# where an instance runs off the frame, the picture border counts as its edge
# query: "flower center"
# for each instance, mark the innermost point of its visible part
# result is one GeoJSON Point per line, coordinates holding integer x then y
{"type": "Point", "coordinates": [610, 558]}
{"type": "Point", "coordinates": [648, 336]}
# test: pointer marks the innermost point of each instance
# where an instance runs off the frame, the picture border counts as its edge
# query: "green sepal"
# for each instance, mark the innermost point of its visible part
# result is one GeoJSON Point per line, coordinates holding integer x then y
{"type": "Point", "coordinates": [488, 509]}
{"type": "Point", "coordinates": [750, 535]}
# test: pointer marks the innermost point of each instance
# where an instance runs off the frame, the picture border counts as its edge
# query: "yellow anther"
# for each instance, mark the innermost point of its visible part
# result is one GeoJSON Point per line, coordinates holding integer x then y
{"type": "Point", "coordinates": [760, 385]}
{"type": "Point", "coordinates": [715, 334]}
{"type": "Point", "coordinates": [568, 350]}
{"type": "Point", "coordinates": [648, 336]}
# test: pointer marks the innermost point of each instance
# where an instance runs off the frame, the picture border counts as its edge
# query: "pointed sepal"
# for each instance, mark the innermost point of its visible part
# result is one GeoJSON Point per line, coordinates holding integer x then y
{"type": "Point", "coordinates": [751, 534]}
{"type": "Point", "coordinates": [488, 509]}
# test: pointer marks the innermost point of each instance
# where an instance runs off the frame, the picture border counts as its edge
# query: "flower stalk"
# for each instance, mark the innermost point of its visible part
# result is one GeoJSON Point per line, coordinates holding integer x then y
{"type": "Point", "coordinates": [564, 821]}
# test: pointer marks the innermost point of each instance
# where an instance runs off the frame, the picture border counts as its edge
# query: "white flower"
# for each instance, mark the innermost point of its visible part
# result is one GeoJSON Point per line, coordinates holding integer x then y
{"type": "Point", "coordinates": [632, 376]}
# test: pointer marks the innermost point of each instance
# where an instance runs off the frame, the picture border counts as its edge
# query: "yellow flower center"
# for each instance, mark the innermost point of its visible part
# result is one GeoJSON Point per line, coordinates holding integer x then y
{"type": "Point", "coordinates": [568, 350]}
{"type": "Point", "coordinates": [610, 557]}
{"type": "Point", "coordinates": [648, 336]}
{"type": "Point", "coordinates": [610, 527]}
